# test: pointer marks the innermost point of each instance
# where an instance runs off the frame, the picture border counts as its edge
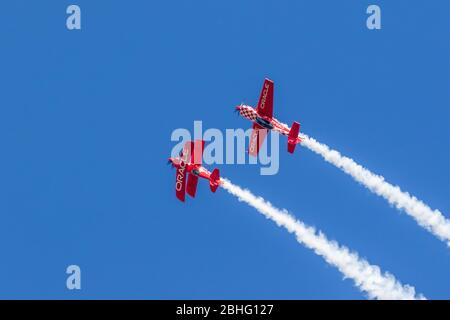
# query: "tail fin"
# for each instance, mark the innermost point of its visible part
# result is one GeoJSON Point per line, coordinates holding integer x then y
{"type": "Point", "coordinates": [214, 180]}
{"type": "Point", "coordinates": [293, 135]}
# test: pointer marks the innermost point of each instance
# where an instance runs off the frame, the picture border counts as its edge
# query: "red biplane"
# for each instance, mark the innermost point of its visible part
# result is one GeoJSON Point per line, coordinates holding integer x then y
{"type": "Point", "coordinates": [189, 164]}
{"type": "Point", "coordinates": [263, 120]}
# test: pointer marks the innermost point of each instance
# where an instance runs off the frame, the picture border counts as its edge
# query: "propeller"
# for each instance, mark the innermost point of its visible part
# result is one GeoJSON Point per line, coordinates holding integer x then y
{"type": "Point", "coordinates": [237, 110]}
{"type": "Point", "coordinates": [170, 163]}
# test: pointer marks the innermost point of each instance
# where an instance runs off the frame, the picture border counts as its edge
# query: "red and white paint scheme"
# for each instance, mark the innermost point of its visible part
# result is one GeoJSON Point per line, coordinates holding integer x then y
{"type": "Point", "coordinates": [263, 120]}
{"type": "Point", "coordinates": [189, 164]}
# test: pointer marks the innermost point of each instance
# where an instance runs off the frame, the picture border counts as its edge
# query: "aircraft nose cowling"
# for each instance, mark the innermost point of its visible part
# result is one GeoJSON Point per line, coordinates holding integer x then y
{"type": "Point", "coordinates": [247, 112]}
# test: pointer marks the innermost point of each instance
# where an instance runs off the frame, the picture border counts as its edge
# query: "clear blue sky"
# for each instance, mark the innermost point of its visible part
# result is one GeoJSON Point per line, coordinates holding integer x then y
{"type": "Point", "coordinates": [85, 124]}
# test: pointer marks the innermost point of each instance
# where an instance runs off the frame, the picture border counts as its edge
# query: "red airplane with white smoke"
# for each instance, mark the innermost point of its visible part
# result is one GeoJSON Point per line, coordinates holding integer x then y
{"type": "Point", "coordinates": [263, 120]}
{"type": "Point", "coordinates": [189, 164]}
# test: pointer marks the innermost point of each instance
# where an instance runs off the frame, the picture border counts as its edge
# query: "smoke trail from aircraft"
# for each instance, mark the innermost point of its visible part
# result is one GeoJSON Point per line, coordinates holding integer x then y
{"type": "Point", "coordinates": [432, 220]}
{"type": "Point", "coordinates": [368, 278]}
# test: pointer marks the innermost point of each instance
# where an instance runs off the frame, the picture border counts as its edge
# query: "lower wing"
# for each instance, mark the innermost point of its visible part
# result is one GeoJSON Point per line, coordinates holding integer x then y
{"type": "Point", "coordinates": [192, 184]}
{"type": "Point", "coordinates": [180, 183]}
{"type": "Point", "coordinates": [256, 139]}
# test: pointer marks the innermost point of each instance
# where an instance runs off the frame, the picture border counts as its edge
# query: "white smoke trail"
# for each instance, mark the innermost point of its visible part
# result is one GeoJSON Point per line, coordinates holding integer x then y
{"type": "Point", "coordinates": [368, 278]}
{"type": "Point", "coordinates": [432, 220]}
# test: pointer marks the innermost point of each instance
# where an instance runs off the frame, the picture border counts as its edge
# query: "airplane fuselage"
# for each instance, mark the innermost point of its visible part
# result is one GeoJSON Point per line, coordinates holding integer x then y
{"type": "Point", "coordinates": [251, 114]}
{"type": "Point", "coordinates": [189, 169]}
{"type": "Point", "coordinates": [193, 168]}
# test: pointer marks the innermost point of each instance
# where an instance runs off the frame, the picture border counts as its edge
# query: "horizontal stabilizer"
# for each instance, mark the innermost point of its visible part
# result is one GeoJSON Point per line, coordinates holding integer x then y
{"type": "Point", "coordinates": [214, 180]}
{"type": "Point", "coordinates": [291, 147]}
{"type": "Point", "coordinates": [293, 136]}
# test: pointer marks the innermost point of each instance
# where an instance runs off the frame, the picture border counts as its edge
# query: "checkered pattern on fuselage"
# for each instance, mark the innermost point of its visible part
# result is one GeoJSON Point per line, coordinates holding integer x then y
{"type": "Point", "coordinates": [248, 112]}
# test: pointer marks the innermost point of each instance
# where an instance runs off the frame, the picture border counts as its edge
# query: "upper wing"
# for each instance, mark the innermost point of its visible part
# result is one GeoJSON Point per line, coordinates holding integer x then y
{"type": "Point", "coordinates": [180, 179]}
{"type": "Point", "coordinates": [197, 151]}
{"type": "Point", "coordinates": [265, 103]}
{"type": "Point", "coordinates": [196, 158]}
{"type": "Point", "coordinates": [256, 139]}
{"type": "Point", "coordinates": [192, 184]}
